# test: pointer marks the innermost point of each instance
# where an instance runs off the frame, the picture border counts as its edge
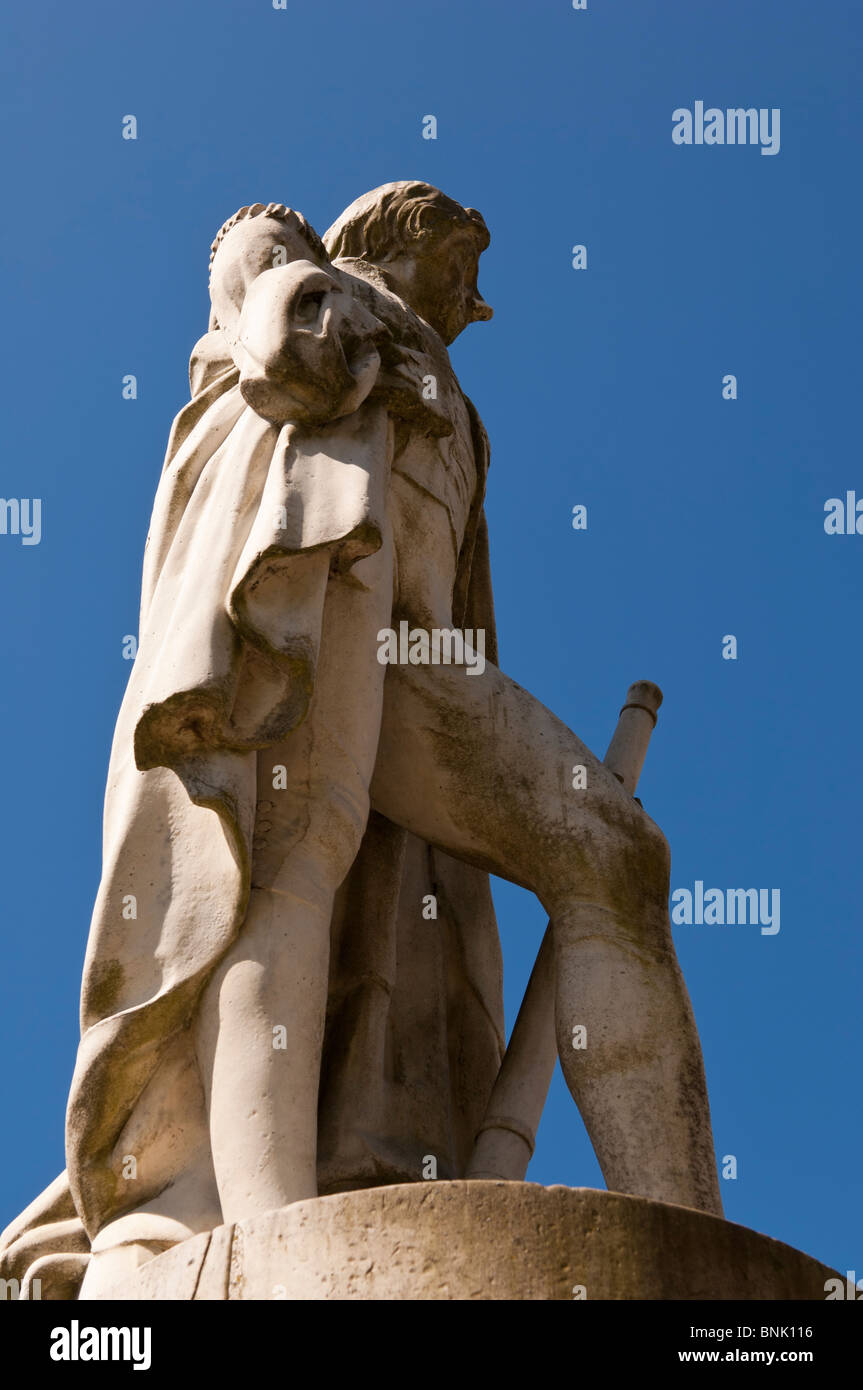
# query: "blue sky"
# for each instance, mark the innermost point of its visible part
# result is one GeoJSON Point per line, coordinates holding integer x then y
{"type": "Point", "coordinates": [602, 387]}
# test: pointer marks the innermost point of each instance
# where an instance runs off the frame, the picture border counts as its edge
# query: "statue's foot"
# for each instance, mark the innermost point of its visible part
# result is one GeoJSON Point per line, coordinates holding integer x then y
{"type": "Point", "coordinates": [125, 1244]}
{"type": "Point", "coordinates": [108, 1268]}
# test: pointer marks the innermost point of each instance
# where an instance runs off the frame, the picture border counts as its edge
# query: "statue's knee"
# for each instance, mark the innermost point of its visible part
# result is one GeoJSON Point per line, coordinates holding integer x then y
{"type": "Point", "coordinates": [308, 845]}
{"type": "Point", "coordinates": [653, 848]}
{"type": "Point", "coordinates": [623, 858]}
{"type": "Point", "coordinates": [336, 829]}
{"type": "Point", "coordinates": [643, 858]}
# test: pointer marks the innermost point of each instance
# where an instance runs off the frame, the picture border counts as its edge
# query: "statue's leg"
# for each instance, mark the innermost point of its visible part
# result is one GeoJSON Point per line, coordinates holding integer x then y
{"type": "Point", "coordinates": [476, 765]}
{"type": "Point", "coordinates": [261, 1024]}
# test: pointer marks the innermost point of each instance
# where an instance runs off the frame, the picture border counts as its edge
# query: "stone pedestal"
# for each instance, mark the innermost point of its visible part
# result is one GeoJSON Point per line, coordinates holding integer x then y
{"type": "Point", "coordinates": [479, 1240]}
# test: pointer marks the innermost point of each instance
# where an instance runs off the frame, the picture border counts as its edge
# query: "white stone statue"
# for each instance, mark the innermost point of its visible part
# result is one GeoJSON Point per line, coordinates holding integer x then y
{"type": "Point", "coordinates": [292, 983]}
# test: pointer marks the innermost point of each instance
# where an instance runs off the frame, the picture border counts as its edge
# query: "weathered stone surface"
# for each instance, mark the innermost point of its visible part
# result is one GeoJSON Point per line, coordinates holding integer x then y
{"type": "Point", "coordinates": [481, 1240]}
{"type": "Point", "coordinates": [54, 1278]}
{"type": "Point", "coordinates": [153, 1281]}
{"type": "Point", "coordinates": [212, 1284]}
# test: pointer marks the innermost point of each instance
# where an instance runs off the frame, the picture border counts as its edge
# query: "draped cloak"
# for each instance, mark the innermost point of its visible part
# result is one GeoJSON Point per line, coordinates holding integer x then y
{"type": "Point", "coordinates": [229, 630]}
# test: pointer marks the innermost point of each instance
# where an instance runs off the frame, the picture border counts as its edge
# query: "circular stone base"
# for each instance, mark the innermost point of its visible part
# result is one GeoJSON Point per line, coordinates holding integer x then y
{"type": "Point", "coordinates": [478, 1240]}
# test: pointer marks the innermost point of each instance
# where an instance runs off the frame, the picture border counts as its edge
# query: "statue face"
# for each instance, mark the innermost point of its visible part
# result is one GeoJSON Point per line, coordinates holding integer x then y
{"type": "Point", "coordinates": [438, 279]}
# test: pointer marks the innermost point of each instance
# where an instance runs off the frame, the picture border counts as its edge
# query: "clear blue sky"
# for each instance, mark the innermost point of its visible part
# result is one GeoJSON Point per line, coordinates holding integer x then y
{"type": "Point", "coordinates": [601, 387]}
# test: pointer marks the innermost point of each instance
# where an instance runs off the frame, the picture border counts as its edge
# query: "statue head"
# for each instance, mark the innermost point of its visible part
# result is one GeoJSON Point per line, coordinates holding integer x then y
{"type": "Point", "coordinates": [295, 233]}
{"type": "Point", "coordinates": [426, 246]}
{"type": "Point", "coordinates": [255, 239]}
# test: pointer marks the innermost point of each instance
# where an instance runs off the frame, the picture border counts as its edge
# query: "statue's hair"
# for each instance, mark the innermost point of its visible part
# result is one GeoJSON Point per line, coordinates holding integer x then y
{"type": "Point", "coordinates": [383, 223]}
{"type": "Point", "coordinates": [294, 220]}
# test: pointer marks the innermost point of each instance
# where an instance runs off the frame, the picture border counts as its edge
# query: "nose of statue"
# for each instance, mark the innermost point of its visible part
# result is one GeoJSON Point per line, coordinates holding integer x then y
{"type": "Point", "coordinates": [481, 312]}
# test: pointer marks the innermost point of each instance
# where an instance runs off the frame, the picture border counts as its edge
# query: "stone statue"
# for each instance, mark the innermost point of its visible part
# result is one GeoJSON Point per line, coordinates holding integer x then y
{"type": "Point", "coordinates": [293, 981]}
